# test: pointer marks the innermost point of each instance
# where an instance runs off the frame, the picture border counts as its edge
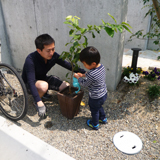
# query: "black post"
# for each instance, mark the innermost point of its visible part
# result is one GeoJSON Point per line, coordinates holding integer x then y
{"type": "Point", "coordinates": [135, 58]}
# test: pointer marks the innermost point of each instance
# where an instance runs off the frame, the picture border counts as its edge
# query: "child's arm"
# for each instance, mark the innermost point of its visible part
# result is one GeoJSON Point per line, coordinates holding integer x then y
{"type": "Point", "coordinates": [78, 75]}
{"type": "Point", "coordinates": [84, 82]}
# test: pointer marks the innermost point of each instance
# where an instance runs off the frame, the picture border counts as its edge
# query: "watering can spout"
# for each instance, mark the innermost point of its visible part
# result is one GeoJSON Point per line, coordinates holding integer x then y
{"type": "Point", "coordinates": [76, 84]}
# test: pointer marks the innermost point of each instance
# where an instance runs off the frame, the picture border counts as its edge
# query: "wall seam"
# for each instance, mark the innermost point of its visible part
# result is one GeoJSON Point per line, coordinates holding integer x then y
{"type": "Point", "coordinates": [34, 4]}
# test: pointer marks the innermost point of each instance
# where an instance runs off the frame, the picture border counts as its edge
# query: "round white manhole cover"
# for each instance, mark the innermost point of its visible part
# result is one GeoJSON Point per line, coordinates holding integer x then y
{"type": "Point", "coordinates": [127, 142]}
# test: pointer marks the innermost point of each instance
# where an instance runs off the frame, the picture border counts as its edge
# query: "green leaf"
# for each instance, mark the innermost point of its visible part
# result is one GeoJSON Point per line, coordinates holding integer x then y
{"type": "Point", "coordinates": [77, 36]}
{"type": "Point", "coordinates": [76, 17]}
{"type": "Point", "coordinates": [67, 22]}
{"type": "Point", "coordinates": [67, 44]}
{"type": "Point", "coordinates": [97, 29]}
{"type": "Point", "coordinates": [126, 24]}
{"type": "Point", "coordinates": [75, 21]}
{"type": "Point", "coordinates": [156, 42]}
{"type": "Point", "coordinates": [78, 50]}
{"type": "Point", "coordinates": [76, 44]}
{"type": "Point", "coordinates": [83, 30]}
{"type": "Point", "coordinates": [89, 27]}
{"type": "Point", "coordinates": [120, 28]}
{"type": "Point", "coordinates": [93, 35]}
{"type": "Point", "coordinates": [76, 58]}
{"type": "Point", "coordinates": [71, 31]}
{"type": "Point", "coordinates": [72, 49]}
{"type": "Point", "coordinates": [67, 74]}
{"type": "Point", "coordinates": [64, 55]}
{"type": "Point", "coordinates": [112, 17]}
{"type": "Point", "coordinates": [78, 28]}
{"type": "Point", "coordinates": [104, 23]}
{"type": "Point", "coordinates": [110, 31]}
{"type": "Point", "coordinates": [85, 44]}
{"type": "Point", "coordinates": [125, 27]}
{"type": "Point", "coordinates": [69, 17]}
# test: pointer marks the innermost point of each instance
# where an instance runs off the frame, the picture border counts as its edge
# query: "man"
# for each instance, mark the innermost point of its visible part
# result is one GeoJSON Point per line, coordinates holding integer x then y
{"type": "Point", "coordinates": [36, 67]}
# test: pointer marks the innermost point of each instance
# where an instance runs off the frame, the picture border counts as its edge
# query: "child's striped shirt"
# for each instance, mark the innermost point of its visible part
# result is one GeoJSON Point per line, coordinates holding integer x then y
{"type": "Point", "coordinates": [95, 81]}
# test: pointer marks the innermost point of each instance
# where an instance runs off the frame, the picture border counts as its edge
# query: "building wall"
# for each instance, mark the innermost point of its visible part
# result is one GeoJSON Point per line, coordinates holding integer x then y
{"type": "Point", "coordinates": [24, 20]}
{"type": "Point", "coordinates": [135, 17]}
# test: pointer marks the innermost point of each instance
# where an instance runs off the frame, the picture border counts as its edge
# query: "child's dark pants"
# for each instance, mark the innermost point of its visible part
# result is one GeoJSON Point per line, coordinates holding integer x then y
{"type": "Point", "coordinates": [96, 109]}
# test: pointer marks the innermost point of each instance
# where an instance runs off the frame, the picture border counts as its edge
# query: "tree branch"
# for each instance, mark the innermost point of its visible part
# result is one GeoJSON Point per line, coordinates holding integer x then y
{"type": "Point", "coordinates": [157, 8]}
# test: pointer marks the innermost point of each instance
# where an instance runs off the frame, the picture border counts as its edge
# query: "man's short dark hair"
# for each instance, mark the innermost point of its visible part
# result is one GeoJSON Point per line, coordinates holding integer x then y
{"type": "Point", "coordinates": [89, 55]}
{"type": "Point", "coordinates": [42, 40]}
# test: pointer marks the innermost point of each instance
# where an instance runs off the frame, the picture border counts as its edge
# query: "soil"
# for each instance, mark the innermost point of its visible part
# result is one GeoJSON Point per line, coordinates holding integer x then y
{"type": "Point", "coordinates": [67, 93]}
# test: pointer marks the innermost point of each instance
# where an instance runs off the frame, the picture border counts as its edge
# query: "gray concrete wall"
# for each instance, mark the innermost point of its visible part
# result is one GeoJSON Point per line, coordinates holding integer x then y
{"type": "Point", "coordinates": [4, 41]}
{"type": "Point", "coordinates": [135, 17]}
{"type": "Point", "coordinates": [25, 20]}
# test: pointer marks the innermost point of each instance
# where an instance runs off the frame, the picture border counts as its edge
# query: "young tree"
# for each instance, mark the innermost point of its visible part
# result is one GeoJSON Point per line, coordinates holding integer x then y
{"type": "Point", "coordinates": [154, 33]}
{"type": "Point", "coordinates": [156, 5]}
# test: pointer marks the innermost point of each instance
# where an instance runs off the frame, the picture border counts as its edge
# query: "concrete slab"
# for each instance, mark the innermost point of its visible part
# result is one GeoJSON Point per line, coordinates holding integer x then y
{"type": "Point", "coordinates": [18, 144]}
{"type": "Point", "coordinates": [146, 59]}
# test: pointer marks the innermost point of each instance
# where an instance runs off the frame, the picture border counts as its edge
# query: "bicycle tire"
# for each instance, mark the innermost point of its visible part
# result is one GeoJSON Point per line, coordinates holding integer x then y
{"type": "Point", "coordinates": [13, 93]}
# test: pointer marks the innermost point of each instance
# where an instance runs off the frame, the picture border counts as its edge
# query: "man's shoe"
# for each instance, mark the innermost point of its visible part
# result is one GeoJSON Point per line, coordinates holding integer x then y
{"type": "Point", "coordinates": [46, 96]}
{"type": "Point", "coordinates": [104, 121]}
{"type": "Point", "coordinates": [90, 124]}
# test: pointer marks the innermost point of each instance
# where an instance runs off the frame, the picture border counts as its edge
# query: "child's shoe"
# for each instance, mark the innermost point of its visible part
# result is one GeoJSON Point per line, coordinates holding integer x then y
{"type": "Point", "coordinates": [104, 121]}
{"type": "Point", "coordinates": [90, 124]}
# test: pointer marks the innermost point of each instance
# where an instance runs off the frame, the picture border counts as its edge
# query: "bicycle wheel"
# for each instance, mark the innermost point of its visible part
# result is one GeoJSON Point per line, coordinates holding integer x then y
{"type": "Point", "coordinates": [13, 94]}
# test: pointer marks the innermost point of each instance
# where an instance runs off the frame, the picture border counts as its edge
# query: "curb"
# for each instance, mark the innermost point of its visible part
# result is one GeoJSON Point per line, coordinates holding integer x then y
{"type": "Point", "coordinates": [18, 144]}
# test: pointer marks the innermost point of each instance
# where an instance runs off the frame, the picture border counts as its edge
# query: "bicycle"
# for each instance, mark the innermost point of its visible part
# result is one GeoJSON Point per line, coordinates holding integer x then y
{"type": "Point", "coordinates": [13, 93]}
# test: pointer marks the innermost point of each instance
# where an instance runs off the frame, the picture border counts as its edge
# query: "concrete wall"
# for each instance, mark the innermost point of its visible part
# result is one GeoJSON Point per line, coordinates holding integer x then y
{"type": "Point", "coordinates": [25, 20]}
{"type": "Point", "coordinates": [135, 17]}
{"type": "Point", "coordinates": [4, 41]}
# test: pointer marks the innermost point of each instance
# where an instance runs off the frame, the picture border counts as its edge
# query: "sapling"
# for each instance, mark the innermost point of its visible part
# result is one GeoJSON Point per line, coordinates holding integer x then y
{"type": "Point", "coordinates": [79, 39]}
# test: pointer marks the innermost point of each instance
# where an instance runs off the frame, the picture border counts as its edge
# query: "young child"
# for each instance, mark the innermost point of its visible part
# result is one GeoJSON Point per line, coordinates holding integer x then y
{"type": "Point", "coordinates": [95, 81]}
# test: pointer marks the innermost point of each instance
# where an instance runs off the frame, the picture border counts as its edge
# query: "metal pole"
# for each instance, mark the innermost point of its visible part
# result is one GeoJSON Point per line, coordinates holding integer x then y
{"type": "Point", "coordinates": [135, 58]}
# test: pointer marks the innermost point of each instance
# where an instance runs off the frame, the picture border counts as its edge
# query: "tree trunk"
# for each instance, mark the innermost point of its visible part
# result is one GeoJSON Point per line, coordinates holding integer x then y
{"type": "Point", "coordinates": [157, 8]}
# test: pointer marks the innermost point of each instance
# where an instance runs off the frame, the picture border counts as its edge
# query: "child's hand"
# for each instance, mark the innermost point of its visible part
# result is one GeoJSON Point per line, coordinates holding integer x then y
{"type": "Point", "coordinates": [76, 75]}
{"type": "Point", "coordinates": [81, 75]}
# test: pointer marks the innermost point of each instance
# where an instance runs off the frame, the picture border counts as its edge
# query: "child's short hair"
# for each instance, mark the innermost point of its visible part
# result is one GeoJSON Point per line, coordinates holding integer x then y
{"type": "Point", "coordinates": [42, 40]}
{"type": "Point", "coordinates": [90, 54]}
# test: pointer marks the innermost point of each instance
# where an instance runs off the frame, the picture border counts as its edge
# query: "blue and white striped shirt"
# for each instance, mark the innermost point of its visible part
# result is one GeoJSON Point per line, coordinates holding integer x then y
{"type": "Point", "coordinates": [95, 81]}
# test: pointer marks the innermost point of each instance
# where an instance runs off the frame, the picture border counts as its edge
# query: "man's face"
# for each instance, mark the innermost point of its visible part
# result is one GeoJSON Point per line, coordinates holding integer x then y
{"type": "Point", "coordinates": [47, 51]}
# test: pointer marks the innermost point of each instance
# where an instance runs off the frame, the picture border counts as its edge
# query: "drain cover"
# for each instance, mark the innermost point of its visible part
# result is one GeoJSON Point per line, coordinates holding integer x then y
{"type": "Point", "coordinates": [127, 142]}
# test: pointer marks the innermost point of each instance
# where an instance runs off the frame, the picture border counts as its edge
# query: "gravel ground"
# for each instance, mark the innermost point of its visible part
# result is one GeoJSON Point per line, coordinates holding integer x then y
{"type": "Point", "coordinates": [127, 109]}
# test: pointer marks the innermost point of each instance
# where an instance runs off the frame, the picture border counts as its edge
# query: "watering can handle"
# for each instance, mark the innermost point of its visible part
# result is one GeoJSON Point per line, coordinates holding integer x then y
{"type": "Point", "coordinates": [76, 84]}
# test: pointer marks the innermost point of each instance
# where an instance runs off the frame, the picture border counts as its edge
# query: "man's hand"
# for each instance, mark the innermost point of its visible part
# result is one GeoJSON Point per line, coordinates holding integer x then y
{"type": "Point", "coordinates": [41, 109]}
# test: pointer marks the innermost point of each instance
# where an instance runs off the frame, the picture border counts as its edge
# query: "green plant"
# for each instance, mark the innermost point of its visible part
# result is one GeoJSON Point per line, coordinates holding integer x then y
{"type": "Point", "coordinates": [154, 33]}
{"type": "Point", "coordinates": [129, 77]}
{"type": "Point", "coordinates": [154, 91]}
{"type": "Point", "coordinates": [128, 70]}
{"type": "Point", "coordinates": [152, 75]}
{"type": "Point", "coordinates": [79, 38]}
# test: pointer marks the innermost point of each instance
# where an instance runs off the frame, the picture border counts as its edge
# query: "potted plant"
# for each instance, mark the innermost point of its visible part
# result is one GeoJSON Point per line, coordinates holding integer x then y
{"type": "Point", "coordinates": [68, 100]}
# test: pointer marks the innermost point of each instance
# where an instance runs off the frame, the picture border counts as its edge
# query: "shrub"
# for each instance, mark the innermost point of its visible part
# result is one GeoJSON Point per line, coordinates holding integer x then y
{"type": "Point", "coordinates": [154, 91]}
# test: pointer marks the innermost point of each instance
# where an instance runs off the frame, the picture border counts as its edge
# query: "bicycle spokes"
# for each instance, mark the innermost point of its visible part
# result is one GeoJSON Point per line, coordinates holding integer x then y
{"type": "Point", "coordinates": [13, 97]}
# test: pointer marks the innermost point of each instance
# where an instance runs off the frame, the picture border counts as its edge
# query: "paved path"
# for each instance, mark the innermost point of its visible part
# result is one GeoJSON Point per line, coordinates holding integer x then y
{"type": "Point", "coordinates": [18, 144]}
{"type": "Point", "coordinates": [146, 59]}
